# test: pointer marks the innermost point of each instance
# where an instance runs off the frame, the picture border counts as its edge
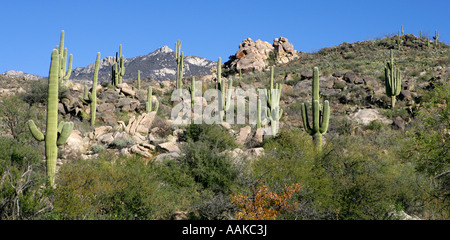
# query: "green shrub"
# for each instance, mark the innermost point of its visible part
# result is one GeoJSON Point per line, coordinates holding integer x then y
{"type": "Point", "coordinates": [120, 143]}
{"type": "Point", "coordinates": [354, 177]}
{"type": "Point", "coordinates": [98, 148]}
{"type": "Point", "coordinates": [216, 135]}
{"type": "Point", "coordinates": [22, 175]}
{"type": "Point", "coordinates": [121, 188]}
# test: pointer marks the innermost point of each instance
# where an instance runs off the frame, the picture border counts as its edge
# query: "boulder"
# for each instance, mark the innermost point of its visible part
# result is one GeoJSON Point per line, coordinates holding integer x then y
{"type": "Point", "coordinates": [244, 135]}
{"type": "Point", "coordinates": [366, 116]}
{"type": "Point", "coordinates": [170, 146]}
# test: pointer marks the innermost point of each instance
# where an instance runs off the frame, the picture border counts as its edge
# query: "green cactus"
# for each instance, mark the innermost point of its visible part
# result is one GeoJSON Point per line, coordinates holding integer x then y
{"type": "Point", "coordinates": [91, 97]}
{"type": "Point", "coordinates": [64, 72]}
{"type": "Point", "coordinates": [399, 41]}
{"type": "Point", "coordinates": [259, 122]}
{"type": "Point", "coordinates": [192, 91]}
{"type": "Point", "coordinates": [93, 94]}
{"type": "Point", "coordinates": [139, 80]}
{"type": "Point", "coordinates": [393, 80]}
{"type": "Point", "coordinates": [149, 104]}
{"type": "Point", "coordinates": [320, 116]}
{"type": "Point", "coordinates": [435, 38]}
{"type": "Point", "coordinates": [225, 96]}
{"type": "Point", "coordinates": [179, 56]}
{"type": "Point", "coordinates": [56, 134]}
{"type": "Point", "coordinates": [118, 69]}
{"type": "Point", "coordinates": [274, 111]}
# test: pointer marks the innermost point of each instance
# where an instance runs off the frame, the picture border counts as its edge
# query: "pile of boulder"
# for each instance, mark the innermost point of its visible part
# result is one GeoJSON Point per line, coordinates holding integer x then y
{"type": "Point", "coordinates": [255, 55]}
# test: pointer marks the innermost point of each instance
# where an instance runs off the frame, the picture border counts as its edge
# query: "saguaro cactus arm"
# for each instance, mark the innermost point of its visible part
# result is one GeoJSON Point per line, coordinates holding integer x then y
{"type": "Point", "coordinates": [64, 133]}
{"type": "Point", "coordinates": [38, 135]}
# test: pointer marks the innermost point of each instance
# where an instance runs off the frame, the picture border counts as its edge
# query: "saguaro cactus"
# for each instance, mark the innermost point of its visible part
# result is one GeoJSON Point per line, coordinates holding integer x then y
{"type": "Point", "coordinates": [435, 38]}
{"type": "Point", "coordinates": [118, 69]}
{"type": "Point", "coordinates": [139, 80]}
{"type": "Point", "coordinates": [56, 134]}
{"type": "Point", "coordinates": [93, 94]}
{"type": "Point", "coordinates": [192, 91]}
{"type": "Point", "coordinates": [64, 72]}
{"type": "Point", "coordinates": [225, 95]}
{"type": "Point", "coordinates": [179, 56]}
{"type": "Point", "coordinates": [393, 80]}
{"type": "Point", "coordinates": [320, 116]}
{"type": "Point", "coordinates": [149, 104]}
{"type": "Point", "coordinates": [274, 111]}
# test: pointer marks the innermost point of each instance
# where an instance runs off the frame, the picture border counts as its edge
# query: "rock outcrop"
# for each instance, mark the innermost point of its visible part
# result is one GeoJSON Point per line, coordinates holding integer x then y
{"type": "Point", "coordinates": [255, 55]}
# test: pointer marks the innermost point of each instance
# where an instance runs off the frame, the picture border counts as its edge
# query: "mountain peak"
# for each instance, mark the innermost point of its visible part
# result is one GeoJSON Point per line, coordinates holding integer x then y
{"type": "Point", "coordinates": [164, 49]}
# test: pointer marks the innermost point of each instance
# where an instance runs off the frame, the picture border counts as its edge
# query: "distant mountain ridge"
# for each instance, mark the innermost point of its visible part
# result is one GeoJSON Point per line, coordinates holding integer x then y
{"type": "Point", "coordinates": [158, 65]}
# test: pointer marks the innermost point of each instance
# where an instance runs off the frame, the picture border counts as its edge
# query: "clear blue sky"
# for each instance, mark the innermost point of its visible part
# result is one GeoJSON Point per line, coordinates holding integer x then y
{"type": "Point", "coordinates": [210, 29]}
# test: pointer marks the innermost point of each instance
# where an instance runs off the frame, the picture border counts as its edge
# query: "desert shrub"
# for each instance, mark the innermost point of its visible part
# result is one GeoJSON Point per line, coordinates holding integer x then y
{"type": "Point", "coordinates": [22, 175]}
{"type": "Point", "coordinates": [353, 178]}
{"type": "Point", "coordinates": [98, 148]}
{"type": "Point", "coordinates": [120, 143]}
{"type": "Point", "coordinates": [428, 148]}
{"type": "Point", "coordinates": [216, 135]}
{"type": "Point", "coordinates": [120, 188]}
{"type": "Point", "coordinates": [14, 114]}
{"type": "Point", "coordinates": [208, 166]}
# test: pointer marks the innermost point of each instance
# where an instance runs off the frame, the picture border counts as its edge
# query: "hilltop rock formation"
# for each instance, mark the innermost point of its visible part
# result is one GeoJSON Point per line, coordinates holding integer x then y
{"type": "Point", "coordinates": [255, 55]}
{"type": "Point", "coordinates": [21, 75]}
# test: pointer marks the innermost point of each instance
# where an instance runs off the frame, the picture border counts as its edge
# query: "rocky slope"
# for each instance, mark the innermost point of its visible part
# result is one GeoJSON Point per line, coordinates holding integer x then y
{"type": "Point", "coordinates": [158, 65]}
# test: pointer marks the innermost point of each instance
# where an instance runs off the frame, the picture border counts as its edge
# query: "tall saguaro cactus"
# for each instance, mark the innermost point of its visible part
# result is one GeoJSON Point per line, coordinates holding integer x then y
{"type": "Point", "coordinates": [93, 94]}
{"type": "Point", "coordinates": [56, 134]}
{"type": "Point", "coordinates": [393, 80]}
{"type": "Point", "coordinates": [320, 116]}
{"type": "Point", "coordinates": [64, 72]}
{"type": "Point", "coordinates": [179, 56]}
{"type": "Point", "coordinates": [225, 95]}
{"type": "Point", "coordinates": [274, 111]}
{"type": "Point", "coordinates": [118, 69]}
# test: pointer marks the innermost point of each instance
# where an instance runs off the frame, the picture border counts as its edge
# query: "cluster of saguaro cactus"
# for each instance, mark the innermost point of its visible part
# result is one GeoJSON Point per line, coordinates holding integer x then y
{"type": "Point", "coordinates": [149, 104]}
{"type": "Point", "coordinates": [274, 111]}
{"type": "Point", "coordinates": [118, 69]}
{"type": "Point", "coordinates": [64, 72]}
{"type": "Point", "coordinates": [179, 58]}
{"type": "Point", "coordinates": [393, 80]}
{"type": "Point", "coordinates": [56, 134]}
{"type": "Point", "coordinates": [225, 95]}
{"type": "Point", "coordinates": [435, 38]}
{"type": "Point", "coordinates": [320, 115]}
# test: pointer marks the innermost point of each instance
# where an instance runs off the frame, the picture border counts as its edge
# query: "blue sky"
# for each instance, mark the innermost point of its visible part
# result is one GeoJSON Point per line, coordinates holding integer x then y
{"type": "Point", "coordinates": [210, 29]}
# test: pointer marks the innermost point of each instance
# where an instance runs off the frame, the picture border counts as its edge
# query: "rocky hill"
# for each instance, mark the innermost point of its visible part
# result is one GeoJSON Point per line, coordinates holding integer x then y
{"type": "Point", "coordinates": [21, 75]}
{"type": "Point", "coordinates": [366, 156]}
{"type": "Point", "coordinates": [158, 65]}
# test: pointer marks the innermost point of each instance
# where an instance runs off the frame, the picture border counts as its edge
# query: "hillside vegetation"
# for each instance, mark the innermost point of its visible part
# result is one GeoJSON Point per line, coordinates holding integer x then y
{"type": "Point", "coordinates": [376, 161]}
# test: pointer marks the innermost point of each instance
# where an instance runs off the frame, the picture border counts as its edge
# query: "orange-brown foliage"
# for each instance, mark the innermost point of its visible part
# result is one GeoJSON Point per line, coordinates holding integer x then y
{"type": "Point", "coordinates": [264, 204]}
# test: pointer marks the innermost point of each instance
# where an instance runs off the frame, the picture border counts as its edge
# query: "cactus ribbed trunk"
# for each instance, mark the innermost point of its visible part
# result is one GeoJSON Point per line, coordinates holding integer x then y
{"type": "Point", "coordinates": [51, 150]}
{"type": "Point", "coordinates": [274, 111]}
{"type": "Point", "coordinates": [94, 90]}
